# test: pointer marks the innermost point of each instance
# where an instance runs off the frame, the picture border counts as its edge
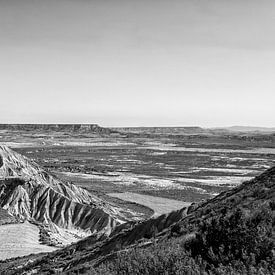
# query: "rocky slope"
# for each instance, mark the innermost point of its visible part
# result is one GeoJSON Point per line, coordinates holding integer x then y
{"type": "Point", "coordinates": [183, 225]}
{"type": "Point", "coordinates": [63, 211]}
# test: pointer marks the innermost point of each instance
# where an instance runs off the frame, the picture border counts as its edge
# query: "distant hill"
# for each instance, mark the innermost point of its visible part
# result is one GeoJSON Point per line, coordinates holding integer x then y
{"type": "Point", "coordinates": [232, 233]}
{"type": "Point", "coordinates": [194, 130]}
{"type": "Point", "coordinates": [96, 129]}
{"type": "Point", "coordinates": [250, 129]}
{"type": "Point", "coordinates": [191, 130]}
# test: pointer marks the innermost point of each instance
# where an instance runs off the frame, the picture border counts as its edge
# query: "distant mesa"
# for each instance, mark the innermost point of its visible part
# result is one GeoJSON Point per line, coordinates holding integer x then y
{"type": "Point", "coordinates": [94, 128]}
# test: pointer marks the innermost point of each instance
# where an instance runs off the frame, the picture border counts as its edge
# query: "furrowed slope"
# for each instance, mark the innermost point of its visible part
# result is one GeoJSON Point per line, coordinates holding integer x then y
{"type": "Point", "coordinates": [181, 225]}
{"type": "Point", "coordinates": [62, 210]}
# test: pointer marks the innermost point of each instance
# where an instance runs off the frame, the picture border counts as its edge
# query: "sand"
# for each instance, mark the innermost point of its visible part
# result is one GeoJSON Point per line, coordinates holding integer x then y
{"type": "Point", "coordinates": [158, 204]}
{"type": "Point", "coordinates": [20, 240]}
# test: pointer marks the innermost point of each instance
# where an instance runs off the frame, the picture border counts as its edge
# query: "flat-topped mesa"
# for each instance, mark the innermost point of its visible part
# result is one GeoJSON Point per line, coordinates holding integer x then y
{"type": "Point", "coordinates": [29, 192]}
{"type": "Point", "coordinates": [93, 128]}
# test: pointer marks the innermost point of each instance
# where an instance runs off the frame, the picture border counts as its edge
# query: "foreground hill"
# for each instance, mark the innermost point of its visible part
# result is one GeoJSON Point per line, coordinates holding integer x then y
{"type": "Point", "coordinates": [232, 233]}
{"type": "Point", "coordinates": [63, 211]}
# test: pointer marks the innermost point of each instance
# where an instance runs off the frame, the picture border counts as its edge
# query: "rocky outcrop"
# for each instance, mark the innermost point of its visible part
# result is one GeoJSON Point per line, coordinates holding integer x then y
{"type": "Point", "coordinates": [28, 192]}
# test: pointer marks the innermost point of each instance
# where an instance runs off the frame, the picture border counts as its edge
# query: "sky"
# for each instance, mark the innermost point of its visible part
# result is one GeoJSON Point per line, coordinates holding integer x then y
{"type": "Point", "coordinates": [208, 63]}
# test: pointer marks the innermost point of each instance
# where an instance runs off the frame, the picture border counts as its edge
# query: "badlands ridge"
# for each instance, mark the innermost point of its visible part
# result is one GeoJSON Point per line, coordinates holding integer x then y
{"type": "Point", "coordinates": [63, 212]}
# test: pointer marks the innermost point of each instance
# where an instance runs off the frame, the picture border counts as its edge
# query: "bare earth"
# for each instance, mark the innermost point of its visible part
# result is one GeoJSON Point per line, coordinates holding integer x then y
{"type": "Point", "coordinates": [19, 240]}
{"type": "Point", "coordinates": [159, 205]}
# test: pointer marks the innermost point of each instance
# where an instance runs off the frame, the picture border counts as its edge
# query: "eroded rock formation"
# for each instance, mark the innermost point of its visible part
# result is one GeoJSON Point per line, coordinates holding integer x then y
{"type": "Point", "coordinates": [64, 211]}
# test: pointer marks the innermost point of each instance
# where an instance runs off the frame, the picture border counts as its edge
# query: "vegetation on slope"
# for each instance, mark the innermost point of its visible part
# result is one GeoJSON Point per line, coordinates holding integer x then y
{"type": "Point", "coordinates": [235, 244]}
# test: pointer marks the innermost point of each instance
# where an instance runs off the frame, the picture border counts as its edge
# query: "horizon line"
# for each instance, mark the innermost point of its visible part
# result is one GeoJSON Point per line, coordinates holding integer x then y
{"type": "Point", "coordinates": [137, 126]}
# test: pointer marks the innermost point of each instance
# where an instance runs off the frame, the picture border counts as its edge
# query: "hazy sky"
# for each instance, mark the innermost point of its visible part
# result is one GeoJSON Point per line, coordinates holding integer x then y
{"type": "Point", "coordinates": [138, 62]}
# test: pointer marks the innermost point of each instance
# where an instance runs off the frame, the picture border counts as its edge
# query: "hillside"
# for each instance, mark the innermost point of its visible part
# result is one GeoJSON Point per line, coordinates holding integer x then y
{"type": "Point", "coordinates": [229, 233]}
{"type": "Point", "coordinates": [63, 211]}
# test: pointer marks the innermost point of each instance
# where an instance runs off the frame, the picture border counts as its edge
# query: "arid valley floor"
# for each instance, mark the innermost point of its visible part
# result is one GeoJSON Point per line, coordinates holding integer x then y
{"type": "Point", "coordinates": [187, 164]}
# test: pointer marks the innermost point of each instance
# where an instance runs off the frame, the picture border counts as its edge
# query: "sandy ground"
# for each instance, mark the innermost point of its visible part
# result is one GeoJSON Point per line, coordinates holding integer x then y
{"type": "Point", "coordinates": [159, 205]}
{"type": "Point", "coordinates": [19, 240]}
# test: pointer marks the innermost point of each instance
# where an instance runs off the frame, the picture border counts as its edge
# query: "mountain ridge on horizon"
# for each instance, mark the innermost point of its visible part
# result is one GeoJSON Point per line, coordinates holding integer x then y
{"type": "Point", "coordinates": [97, 126]}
